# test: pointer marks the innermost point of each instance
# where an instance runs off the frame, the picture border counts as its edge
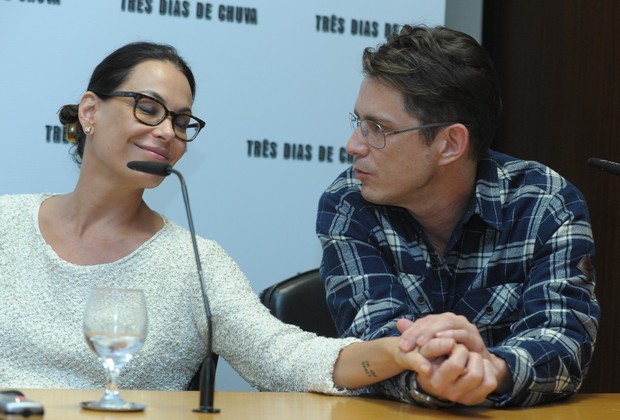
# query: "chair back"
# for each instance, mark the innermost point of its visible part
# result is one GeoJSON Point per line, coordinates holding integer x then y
{"type": "Point", "coordinates": [300, 300]}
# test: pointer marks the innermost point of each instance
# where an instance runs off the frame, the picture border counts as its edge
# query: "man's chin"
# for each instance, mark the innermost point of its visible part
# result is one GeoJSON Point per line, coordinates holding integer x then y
{"type": "Point", "coordinates": [371, 196]}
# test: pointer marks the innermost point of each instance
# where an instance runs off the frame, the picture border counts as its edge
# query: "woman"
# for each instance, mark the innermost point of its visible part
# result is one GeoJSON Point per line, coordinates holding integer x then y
{"type": "Point", "coordinates": [55, 248]}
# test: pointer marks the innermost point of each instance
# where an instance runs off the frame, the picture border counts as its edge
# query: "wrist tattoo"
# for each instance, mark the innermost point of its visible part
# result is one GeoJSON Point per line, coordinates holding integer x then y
{"type": "Point", "coordinates": [366, 365]}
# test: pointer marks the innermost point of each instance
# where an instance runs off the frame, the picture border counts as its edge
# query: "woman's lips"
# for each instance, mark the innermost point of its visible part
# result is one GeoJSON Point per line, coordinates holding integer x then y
{"type": "Point", "coordinates": [159, 154]}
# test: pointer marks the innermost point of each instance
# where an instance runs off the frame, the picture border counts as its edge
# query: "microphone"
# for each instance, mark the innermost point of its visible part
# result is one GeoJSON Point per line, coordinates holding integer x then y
{"type": "Point", "coordinates": [155, 168]}
{"type": "Point", "coordinates": [605, 165]}
{"type": "Point", "coordinates": [207, 372]}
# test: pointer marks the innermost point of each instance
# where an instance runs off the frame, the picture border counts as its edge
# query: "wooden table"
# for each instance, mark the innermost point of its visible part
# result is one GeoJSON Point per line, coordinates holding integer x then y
{"type": "Point", "coordinates": [173, 405]}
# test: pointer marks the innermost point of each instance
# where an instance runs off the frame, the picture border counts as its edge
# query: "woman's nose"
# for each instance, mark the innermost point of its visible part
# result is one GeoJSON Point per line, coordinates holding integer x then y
{"type": "Point", "coordinates": [166, 128]}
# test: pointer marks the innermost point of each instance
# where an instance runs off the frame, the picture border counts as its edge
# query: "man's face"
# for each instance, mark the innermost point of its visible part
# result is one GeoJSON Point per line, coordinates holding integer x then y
{"type": "Point", "coordinates": [402, 172]}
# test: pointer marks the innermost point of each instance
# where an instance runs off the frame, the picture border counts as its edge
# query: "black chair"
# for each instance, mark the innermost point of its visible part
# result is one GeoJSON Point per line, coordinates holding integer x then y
{"type": "Point", "coordinates": [300, 300]}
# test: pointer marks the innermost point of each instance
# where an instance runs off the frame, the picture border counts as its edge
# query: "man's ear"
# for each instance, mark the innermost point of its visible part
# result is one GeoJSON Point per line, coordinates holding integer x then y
{"type": "Point", "coordinates": [87, 108]}
{"type": "Point", "coordinates": [453, 142]}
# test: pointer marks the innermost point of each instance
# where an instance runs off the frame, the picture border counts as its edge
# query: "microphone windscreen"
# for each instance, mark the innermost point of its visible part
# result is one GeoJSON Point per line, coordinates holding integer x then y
{"type": "Point", "coordinates": [155, 168]}
{"type": "Point", "coordinates": [606, 165]}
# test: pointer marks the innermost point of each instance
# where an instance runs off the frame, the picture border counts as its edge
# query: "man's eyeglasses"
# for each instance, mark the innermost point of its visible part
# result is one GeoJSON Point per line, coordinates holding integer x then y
{"type": "Point", "coordinates": [152, 112]}
{"type": "Point", "coordinates": [375, 135]}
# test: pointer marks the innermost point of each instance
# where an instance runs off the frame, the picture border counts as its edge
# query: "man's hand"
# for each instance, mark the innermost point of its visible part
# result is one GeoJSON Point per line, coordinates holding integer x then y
{"type": "Point", "coordinates": [468, 372]}
{"type": "Point", "coordinates": [425, 361]}
{"type": "Point", "coordinates": [418, 333]}
{"type": "Point", "coordinates": [463, 376]}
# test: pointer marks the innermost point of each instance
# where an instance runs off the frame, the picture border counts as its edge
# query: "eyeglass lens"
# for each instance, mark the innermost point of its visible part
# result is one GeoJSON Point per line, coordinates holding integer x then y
{"type": "Point", "coordinates": [153, 113]}
{"type": "Point", "coordinates": [371, 131]}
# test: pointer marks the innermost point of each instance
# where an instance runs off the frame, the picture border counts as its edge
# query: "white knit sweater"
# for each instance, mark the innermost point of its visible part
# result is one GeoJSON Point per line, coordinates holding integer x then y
{"type": "Point", "coordinates": [43, 297]}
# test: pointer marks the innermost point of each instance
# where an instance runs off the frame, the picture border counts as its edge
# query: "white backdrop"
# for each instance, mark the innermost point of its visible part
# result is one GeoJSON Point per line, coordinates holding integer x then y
{"type": "Point", "coordinates": [285, 75]}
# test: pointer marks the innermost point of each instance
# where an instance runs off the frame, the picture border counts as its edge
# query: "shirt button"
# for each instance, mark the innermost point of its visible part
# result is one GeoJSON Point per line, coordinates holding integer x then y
{"type": "Point", "coordinates": [489, 310]}
{"type": "Point", "coordinates": [421, 300]}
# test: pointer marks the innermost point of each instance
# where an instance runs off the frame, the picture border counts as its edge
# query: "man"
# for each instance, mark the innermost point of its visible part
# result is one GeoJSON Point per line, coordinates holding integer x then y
{"type": "Point", "coordinates": [433, 235]}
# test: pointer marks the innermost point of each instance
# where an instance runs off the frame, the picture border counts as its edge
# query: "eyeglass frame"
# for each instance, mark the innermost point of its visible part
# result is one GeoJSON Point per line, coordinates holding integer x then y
{"type": "Point", "coordinates": [137, 96]}
{"type": "Point", "coordinates": [356, 123]}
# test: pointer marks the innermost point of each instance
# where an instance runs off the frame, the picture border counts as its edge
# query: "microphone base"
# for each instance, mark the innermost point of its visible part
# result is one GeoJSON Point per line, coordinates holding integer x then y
{"type": "Point", "coordinates": [207, 385]}
{"type": "Point", "coordinates": [206, 410]}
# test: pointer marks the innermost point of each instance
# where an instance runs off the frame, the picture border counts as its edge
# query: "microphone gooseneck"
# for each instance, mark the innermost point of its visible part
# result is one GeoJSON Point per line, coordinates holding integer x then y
{"type": "Point", "coordinates": [207, 372]}
{"type": "Point", "coordinates": [605, 165]}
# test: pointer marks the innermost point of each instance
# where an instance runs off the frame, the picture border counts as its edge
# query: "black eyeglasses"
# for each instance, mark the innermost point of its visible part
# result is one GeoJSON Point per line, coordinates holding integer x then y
{"type": "Point", "coordinates": [152, 112]}
{"type": "Point", "coordinates": [375, 135]}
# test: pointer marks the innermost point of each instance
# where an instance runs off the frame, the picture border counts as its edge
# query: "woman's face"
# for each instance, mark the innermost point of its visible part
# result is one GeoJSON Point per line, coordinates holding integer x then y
{"type": "Point", "coordinates": [118, 137]}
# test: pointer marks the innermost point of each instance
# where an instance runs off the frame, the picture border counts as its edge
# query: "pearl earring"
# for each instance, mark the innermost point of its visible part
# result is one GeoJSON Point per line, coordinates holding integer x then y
{"type": "Point", "coordinates": [88, 129]}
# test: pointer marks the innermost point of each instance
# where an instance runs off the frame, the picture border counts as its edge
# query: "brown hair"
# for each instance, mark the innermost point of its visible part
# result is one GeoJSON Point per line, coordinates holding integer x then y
{"type": "Point", "coordinates": [444, 75]}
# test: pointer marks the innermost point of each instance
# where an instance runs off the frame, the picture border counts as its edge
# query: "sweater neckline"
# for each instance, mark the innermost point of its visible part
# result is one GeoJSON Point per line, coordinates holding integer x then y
{"type": "Point", "coordinates": [51, 253]}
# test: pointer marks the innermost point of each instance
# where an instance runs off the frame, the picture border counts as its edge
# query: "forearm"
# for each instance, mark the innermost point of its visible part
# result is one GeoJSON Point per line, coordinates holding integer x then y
{"type": "Point", "coordinates": [539, 372]}
{"type": "Point", "coordinates": [365, 363]}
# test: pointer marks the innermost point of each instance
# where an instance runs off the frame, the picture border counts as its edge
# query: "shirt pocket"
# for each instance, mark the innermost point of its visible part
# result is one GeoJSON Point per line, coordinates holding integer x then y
{"type": "Point", "coordinates": [497, 306]}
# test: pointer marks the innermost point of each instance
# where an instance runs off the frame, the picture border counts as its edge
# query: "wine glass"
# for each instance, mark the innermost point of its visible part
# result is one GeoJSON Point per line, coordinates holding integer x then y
{"type": "Point", "coordinates": [115, 326]}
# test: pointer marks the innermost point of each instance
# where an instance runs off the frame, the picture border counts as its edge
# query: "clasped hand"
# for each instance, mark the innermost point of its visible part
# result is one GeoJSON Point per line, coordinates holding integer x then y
{"type": "Point", "coordinates": [451, 359]}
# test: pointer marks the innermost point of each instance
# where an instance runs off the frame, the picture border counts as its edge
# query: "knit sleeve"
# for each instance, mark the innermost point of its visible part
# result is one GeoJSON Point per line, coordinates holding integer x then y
{"type": "Point", "coordinates": [269, 354]}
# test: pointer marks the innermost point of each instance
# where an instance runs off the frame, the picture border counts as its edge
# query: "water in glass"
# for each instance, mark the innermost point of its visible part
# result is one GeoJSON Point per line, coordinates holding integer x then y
{"type": "Point", "coordinates": [115, 327]}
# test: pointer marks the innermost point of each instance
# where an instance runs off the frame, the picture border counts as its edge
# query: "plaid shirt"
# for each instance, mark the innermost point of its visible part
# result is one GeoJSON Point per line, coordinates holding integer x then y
{"type": "Point", "coordinates": [517, 266]}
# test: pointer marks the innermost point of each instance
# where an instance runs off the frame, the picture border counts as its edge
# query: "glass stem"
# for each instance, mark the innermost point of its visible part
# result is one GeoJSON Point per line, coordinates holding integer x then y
{"type": "Point", "coordinates": [111, 386]}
